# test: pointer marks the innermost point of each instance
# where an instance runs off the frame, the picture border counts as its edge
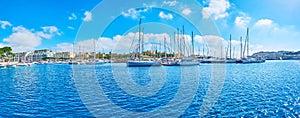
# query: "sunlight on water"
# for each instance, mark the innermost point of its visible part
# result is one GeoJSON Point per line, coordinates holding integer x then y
{"type": "Point", "coordinates": [271, 89]}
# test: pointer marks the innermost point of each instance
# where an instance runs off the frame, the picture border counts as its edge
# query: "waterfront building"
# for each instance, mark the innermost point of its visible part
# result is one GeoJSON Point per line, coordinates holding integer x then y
{"type": "Point", "coordinates": [20, 57]}
{"type": "Point", "coordinates": [64, 55]}
{"type": "Point", "coordinates": [40, 55]}
{"type": "Point", "coordinates": [35, 56]}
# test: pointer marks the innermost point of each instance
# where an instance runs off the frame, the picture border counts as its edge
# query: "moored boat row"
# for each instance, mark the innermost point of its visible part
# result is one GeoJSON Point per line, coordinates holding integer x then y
{"type": "Point", "coordinates": [14, 64]}
{"type": "Point", "coordinates": [23, 64]}
{"type": "Point", "coordinates": [234, 61]}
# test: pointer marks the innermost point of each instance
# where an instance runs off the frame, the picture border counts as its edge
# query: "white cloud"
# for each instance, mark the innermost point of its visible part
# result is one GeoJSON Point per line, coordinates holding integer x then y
{"type": "Point", "coordinates": [170, 3]}
{"type": "Point", "coordinates": [119, 43]}
{"type": "Point", "coordinates": [88, 16]}
{"type": "Point", "coordinates": [209, 40]}
{"type": "Point", "coordinates": [71, 28]}
{"type": "Point", "coordinates": [274, 36]}
{"type": "Point", "coordinates": [242, 21]}
{"type": "Point", "coordinates": [122, 44]}
{"type": "Point", "coordinates": [235, 42]}
{"type": "Point", "coordinates": [23, 39]}
{"type": "Point", "coordinates": [236, 48]}
{"type": "Point", "coordinates": [150, 37]}
{"type": "Point", "coordinates": [44, 35]}
{"type": "Point", "coordinates": [51, 30]}
{"type": "Point", "coordinates": [134, 13]}
{"type": "Point", "coordinates": [199, 39]}
{"type": "Point", "coordinates": [216, 9]}
{"type": "Point", "coordinates": [168, 16]}
{"type": "Point", "coordinates": [213, 44]}
{"type": "Point", "coordinates": [72, 17]}
{"type": "Point", "coordinates": [186, 11]}
{"type": "Point", "coordinates": [4, 24]}
{"type": "Point", "coordinates": [64, 47]}
{"type": "Point", "coordinates": [263, 22]}
{"type": "Point", "coordinates": [48, 32]}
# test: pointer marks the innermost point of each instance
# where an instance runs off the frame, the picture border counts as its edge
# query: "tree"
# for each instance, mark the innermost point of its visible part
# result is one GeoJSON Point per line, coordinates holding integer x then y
{"type": "Point", "coordinates": [6, 53]}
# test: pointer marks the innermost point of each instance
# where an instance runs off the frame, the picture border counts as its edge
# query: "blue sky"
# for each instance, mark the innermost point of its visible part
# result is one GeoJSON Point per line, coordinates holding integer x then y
{"type": "Point", "coordinates": [38, 24]}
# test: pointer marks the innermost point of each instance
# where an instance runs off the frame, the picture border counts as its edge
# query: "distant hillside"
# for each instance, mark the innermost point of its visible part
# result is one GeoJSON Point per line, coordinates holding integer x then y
{"type": "Point", "coordinates": [280, 55]}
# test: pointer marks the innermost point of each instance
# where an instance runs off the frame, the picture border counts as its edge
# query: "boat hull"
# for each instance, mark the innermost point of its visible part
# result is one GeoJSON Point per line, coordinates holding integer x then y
{"type": "Point", "coordinates": [213, 61]}
{"type": "Point", "coordinates": [181, 64]}
{"type": "Point", "coordinates": [142, 63]}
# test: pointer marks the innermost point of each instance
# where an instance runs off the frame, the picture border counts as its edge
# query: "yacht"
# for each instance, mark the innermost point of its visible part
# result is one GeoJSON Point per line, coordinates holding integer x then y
{"type": "Point", "coordinates": [143, 63]}
{"type": "Point", "coordinates": [23, 64]}
{"type": "Point", "coordinates": [181, 62]}
{"type": "Point", "coordinates": [140, 62]}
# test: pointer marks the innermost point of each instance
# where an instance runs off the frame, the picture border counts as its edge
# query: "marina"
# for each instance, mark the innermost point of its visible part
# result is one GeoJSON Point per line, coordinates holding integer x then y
{"type": "Point", "coordinates": [30, 91]}
{"type": "Point", "coordinates": [150, 59]}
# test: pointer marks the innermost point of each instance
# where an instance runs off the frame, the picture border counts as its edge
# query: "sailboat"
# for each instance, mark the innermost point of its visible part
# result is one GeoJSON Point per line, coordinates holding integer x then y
{"type": "Point", "coordinates": [184, 61]}
{"type": "Point", "coordinates": [94, 60]}
{"type": "Point", "coordinates": [188, 61]}
{"type": "Point", "coordinates": [230, 59]}
{"type": "Point", "coordinates": [248, 59]}
{"type": "Point", "coordinates": [142, 62]}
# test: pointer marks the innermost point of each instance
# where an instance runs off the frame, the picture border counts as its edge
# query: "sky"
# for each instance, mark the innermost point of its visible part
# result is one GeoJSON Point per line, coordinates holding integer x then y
{"type": "Point", "coordinates": [56, 24]}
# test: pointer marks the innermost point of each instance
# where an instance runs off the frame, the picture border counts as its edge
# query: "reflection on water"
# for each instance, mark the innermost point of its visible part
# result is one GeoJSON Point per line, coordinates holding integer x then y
{"type": "Point", "coordinates": [254, 90]}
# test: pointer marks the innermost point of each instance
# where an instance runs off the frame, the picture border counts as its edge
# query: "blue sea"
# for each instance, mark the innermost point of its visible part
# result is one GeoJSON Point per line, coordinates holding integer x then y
{"type": "Point", "coordinates": [270, 89]}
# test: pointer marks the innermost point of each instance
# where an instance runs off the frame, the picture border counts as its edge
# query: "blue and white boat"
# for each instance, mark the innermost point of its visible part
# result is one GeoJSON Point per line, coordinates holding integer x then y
{"type": "Point", "coordinates": [142, 63]}
{"type": "Point", "coordinates": [181, 62]}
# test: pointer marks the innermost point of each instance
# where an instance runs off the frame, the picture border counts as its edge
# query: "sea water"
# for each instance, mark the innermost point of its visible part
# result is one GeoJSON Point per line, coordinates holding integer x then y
{"type": "Point", "coordinates": [62, 90]}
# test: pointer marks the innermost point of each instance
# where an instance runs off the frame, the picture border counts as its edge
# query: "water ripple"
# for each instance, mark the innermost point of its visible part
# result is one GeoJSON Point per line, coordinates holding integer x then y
{"type": "Point", "coordinates": [271, 89]}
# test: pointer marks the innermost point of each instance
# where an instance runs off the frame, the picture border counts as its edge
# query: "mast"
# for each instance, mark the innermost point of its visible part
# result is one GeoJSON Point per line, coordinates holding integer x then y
{"type": "Point", "coordinates": [233, 52]}
{"type": "Point", "coordinates": [179, 43]}
{"type": "Point", "coordinates": [142, 42]}
{"type": "Point", "coordinates": [222, 51]}
{"type": "Point", "coordinates": [165, 48]}
{"type": "Point", "coordinates": [226, 49]}
{"type": "Point", "coordinates": [245, 46]}
{"type": "Point", "coordinates": [174, 44]}
{"type": "Point", "coordinates": [241, 40]}
{"type": "Point", "coordinates": [247, 41]}
{"type": "Point", "coordinates": [199, 51]}
{"type": "Point", "coordinates": [193, 53]}
{"type": "Point", "coordinates": [160, 49]}
{"type": "Point", "coordinates": [230, 47]}
{"type": "Point", "coordinates": [139, 48]}
{"type": "Point", "coordinates": [203, 51]}
{"type": "Point", "coordinates": [183, 41]}
{"type": "Point", "coordinates": [94, 49]}
{"type": "Point", "coordinates": [170, 46]}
